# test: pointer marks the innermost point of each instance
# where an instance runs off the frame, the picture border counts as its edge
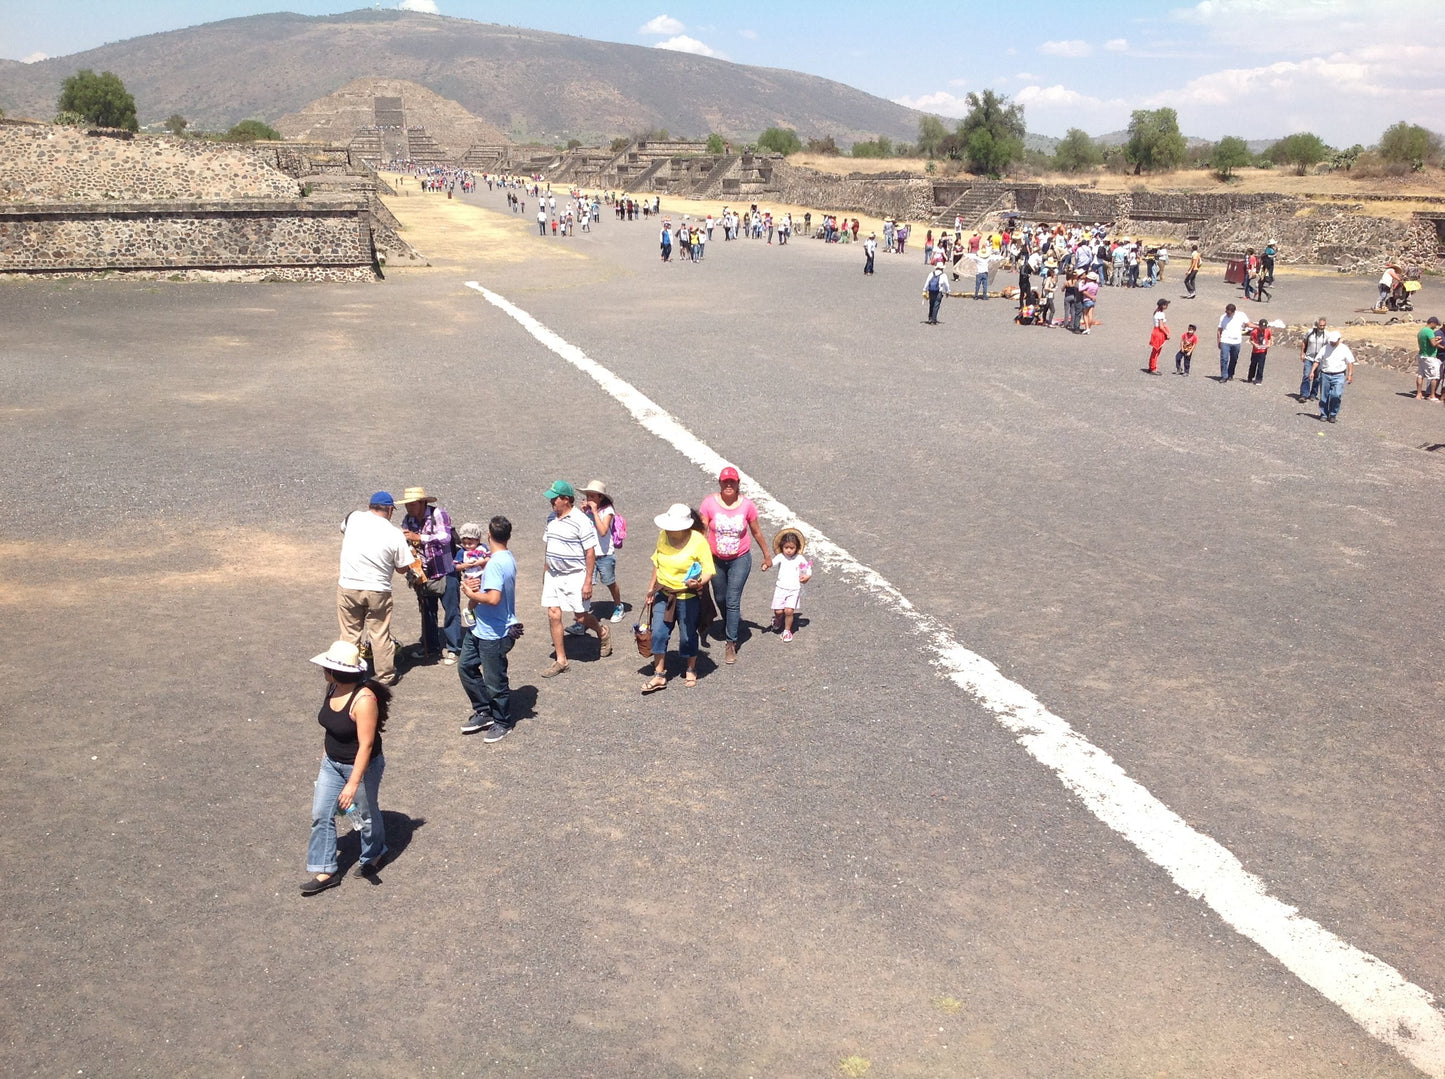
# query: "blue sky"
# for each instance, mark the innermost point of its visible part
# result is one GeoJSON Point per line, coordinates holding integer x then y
{"type": "Point", "coordinates": [1344, 69]}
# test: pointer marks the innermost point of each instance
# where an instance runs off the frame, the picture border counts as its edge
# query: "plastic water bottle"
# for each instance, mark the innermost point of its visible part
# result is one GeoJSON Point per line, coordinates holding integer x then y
{"type": "Point", "coordinates": [351, 815]}
{"type": "Point", "coordinates": [694, 573]}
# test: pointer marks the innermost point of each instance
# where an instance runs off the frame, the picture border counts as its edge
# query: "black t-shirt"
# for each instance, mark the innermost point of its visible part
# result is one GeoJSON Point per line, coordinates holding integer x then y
{"type": "Point", "coordinates": [341, 740]}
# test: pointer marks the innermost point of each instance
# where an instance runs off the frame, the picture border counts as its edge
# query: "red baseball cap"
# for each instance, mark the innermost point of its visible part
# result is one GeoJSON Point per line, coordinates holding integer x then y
{"type": "Point", "coordinates": [729, 473]}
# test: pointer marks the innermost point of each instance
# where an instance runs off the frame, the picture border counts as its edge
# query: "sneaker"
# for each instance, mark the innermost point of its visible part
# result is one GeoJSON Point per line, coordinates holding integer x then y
{"type": "Point", "coordinates": [576, 629]}
{"type": "Point", "coordinates": [554, 670]}
{"type": "Point", "coordinates": [449, 658]}
{"type": "Point", "coordinates": [787, 635]}
{"type": "Point", "coordinates": [477, 723]}
{"type": "Point", "coordinates": [730, 653]}
{"type": "Point", "coordinates": [497, 732]}
{"type": "Point", "coordinates": [618, 613]}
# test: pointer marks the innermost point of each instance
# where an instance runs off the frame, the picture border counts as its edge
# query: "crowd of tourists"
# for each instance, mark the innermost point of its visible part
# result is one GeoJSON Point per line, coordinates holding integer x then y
{"type": "Point", "coordinates": [465, 581]}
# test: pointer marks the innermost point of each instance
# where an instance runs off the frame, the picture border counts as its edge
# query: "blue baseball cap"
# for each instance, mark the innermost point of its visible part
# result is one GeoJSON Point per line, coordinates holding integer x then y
{"type": "Point", "coordinates": [382, 500]}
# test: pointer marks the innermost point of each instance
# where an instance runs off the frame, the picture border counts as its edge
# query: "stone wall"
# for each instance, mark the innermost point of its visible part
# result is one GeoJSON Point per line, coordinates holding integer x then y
{"type": "Point", "coordinates": [906, 200]}
{"type": "Point", "coordinates": [69, 164]}
{"type": "Point", "coordinates": [291, 239]}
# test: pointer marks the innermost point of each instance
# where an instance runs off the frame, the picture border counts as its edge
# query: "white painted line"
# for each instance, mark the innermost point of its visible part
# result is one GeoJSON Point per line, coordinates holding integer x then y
{"type": "Point", "coordinates": [1373, 993]}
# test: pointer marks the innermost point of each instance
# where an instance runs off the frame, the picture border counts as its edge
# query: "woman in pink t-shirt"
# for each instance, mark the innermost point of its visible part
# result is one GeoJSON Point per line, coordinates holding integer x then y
{"type": "Point", "coordinates": [732, 525]}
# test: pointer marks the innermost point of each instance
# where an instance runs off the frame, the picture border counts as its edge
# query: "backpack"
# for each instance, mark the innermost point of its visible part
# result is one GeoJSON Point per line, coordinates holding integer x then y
{"type": "Point", "coordinates": [619, 530]}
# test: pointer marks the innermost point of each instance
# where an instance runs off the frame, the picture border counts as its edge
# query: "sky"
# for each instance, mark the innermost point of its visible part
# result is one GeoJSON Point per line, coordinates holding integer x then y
{"type": "Point", "coordinates": [1344, 69]}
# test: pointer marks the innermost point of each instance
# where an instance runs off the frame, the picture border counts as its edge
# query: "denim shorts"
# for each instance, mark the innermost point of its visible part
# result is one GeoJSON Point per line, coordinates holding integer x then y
{"type": "Point", "coordinates": [606, 571]}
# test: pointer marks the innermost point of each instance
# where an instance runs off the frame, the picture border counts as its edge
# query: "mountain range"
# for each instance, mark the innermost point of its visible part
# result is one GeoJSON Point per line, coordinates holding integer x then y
{"type": "Point", "coordinates": [529, 84]}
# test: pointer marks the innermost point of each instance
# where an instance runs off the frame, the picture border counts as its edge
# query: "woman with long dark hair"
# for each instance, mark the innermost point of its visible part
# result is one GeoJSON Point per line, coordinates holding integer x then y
{"type": "Point", "coordinates": [353, 714]}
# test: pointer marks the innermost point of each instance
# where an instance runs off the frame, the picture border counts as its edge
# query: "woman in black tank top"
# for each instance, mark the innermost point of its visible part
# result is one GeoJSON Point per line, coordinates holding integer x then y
{"type": "Point", "coordinates": [353, 714]}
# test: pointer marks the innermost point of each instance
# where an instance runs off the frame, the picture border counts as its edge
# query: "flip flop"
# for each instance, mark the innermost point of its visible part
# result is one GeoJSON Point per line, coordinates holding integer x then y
{"type": "Point", "coordinates": [653, 684]}
{"type": "Point", "coordinates": [690, 679]}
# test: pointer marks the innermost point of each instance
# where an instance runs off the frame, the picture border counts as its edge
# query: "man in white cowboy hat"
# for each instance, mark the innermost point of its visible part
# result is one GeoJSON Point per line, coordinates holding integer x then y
{"type": "Point", "coordinates": [571, 559]}
{"type": "Point", "coordinates": [372, 550]}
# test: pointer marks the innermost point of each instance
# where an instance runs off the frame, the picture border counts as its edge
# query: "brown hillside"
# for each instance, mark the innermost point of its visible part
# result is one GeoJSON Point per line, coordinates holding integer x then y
{"type": "Point", "coordinates": [337, 117]}
{"type": "Point", "coordinates": [531, 84]}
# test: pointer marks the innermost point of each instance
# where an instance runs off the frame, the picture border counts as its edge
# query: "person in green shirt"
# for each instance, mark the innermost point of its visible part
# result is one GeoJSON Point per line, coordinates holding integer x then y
{"type": "Point", "coordinates": [1427, 380]}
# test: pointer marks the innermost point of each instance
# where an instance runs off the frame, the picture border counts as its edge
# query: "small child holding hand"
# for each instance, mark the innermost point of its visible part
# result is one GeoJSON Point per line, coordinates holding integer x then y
{"type": "Point", "coordinates": [794, 571]}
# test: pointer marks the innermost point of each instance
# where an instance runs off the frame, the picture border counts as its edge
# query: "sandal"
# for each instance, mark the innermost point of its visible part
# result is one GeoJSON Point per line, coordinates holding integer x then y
{"type": "Point", "coordinates": [653, 684]}
{"type": "Point", "coordinates": [690, 679]}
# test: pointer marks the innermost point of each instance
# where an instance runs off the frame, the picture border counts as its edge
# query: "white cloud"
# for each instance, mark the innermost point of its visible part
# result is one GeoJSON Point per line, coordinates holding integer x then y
{"type": "Point", "coordinates": [1066, 48]}
{"type": "Point", "coordinates": [427, 6]}
{"type": "Point", "coordinates": [1117, 44]}
{"type": "Point", "coordinates": [751, 35]}
{"type": "Point", "coordinates": [683, 43]}
{"type": "Point", "coordinates": [662, 26]}
{"type": "Point", "coordinates": [34, 58]}
{"type": "Point", "coordinates": [942, 103]}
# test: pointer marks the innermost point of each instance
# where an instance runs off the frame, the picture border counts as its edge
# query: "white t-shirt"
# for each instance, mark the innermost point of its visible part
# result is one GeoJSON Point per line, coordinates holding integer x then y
{"type": "Point", "coordinates": [790, 570]}
{"type": "Point", "coordinates": [1231, 329]}
{"type": "Point", "coordinates": [372, 549]}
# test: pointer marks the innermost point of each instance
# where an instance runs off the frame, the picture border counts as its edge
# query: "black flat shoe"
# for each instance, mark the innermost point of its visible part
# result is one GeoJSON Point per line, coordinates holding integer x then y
{"type": "Point", "coordinates": [313, 885]}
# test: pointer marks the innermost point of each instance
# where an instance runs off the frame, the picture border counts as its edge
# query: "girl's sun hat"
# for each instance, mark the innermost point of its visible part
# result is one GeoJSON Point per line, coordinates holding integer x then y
{"type": "Point", "coordinates": [784, 533]}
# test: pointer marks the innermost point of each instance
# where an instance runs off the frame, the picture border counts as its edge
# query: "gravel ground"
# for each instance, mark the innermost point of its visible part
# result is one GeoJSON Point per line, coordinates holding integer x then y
{"type": "Point", "coordinates": [821, 856]}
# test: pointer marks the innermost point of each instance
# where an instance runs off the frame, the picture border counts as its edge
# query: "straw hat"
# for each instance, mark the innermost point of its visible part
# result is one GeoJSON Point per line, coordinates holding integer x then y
{"type": "Point", "coordinates": [341, 656]}
{"type": "Point", "coordinates": [678, 518]}
{"type": "Point", "coordinates": [783, 533]}
{"type": "Point", "coordinates": [597, 487]}
{"type": "Point", "coordinates": [416, 494]}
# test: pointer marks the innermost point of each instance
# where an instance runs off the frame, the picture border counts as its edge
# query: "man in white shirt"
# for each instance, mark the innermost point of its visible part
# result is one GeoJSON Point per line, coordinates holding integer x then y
{"type": "Point", "coordinates": [372, 549]}
{"type": "Point", "coordinates": [571, 556]}
{"type": "Point", "coordinates": [1335, 367]}
{"type": "Point", "coordinates": [1230, 336]}
{"type": "Point", "coordinates": [870, 249]}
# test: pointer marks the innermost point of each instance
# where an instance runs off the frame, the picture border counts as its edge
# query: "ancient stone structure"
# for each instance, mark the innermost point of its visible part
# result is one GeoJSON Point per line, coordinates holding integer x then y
{"type": "Point", "coordinates": [79, 202]}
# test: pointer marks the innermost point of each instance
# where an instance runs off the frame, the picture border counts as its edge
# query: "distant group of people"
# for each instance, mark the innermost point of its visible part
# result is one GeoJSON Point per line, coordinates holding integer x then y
{"type": "Point", "coordinates": [465, 580]}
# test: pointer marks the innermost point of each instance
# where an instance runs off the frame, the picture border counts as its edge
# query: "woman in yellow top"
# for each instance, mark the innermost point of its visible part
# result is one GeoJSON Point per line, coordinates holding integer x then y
{"type": "Point", "coordinates": [681, 569]}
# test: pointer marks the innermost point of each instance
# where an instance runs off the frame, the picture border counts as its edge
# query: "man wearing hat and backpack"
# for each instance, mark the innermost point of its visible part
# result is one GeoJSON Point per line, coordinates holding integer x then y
{"type": "Point", "coordinates": [372, 550]}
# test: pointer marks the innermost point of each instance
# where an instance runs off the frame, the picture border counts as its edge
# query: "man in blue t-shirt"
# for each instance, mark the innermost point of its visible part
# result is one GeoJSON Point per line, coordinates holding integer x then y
{"type": "Point", "coordinates": [483, 663]}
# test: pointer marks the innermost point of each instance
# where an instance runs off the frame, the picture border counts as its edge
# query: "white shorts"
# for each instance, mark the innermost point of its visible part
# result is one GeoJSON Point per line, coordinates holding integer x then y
{"type": "Point", "coordinates": [564, 591]}
{"type": "Point", "coordinates": [787, 599]}
{"type": "Point", "coordinates": [1429, 366]}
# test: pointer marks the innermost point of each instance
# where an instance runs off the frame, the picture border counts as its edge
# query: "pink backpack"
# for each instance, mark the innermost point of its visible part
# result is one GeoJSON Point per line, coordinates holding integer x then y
{"type": "Point", "coordinates": [619, 529]}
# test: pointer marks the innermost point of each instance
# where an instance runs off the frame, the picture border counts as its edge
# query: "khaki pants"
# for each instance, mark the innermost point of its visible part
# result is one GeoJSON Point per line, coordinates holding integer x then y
{"type": "Point", "coordinates": [359, 613]}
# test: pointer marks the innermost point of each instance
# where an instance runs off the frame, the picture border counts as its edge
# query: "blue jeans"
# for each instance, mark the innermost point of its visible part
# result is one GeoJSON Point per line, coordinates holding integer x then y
{"type": "Point", "coordinates": [483, 671]}
{"type": "Point", "coordinates": [1332, 388]}
{"type": "Point", "coordinates": [321, 850]}
{"type": "Point", "coordinates": [1228, 358]}
{"type": "Point", "coordinates": [935, 301]}
{"type": "Point", "coordinates": [980, 286]}
{"type": "Point", "coordinates": [727, 590]}
{"type": "Point", "coordinates": [450, 603]}
{"type": "Point", "coordinates": [1309, 388]}
{"type": "Point", "coordinates": [687, 612]}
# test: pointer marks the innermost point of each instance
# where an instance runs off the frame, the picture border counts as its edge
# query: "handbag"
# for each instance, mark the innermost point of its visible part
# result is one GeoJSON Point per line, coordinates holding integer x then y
{"type": "Point", "coordinates": [642, 630]}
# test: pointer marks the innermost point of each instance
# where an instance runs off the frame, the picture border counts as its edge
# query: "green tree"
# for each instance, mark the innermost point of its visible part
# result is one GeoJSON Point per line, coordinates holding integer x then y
{"type": "Point", "coordinates": [715, 143]}
{"type": "Point", "coordinates": [882, 146]}
{"type": "Point", "coordinates": [176, 124]}
{"type": "Point", "coordinates": [1409, 144]}
{"type": "Point", "coordinates": [620, 143]}
{"type": "Point", "coordinates": [780, 140]}
{"type": "Point", "coordinates": [251, 131]}
{"type": "Point", "coordinates": [101, 99]}
{"type": "Point", "coordinates": [1155, 144]}
{"type": "Point", "coordinates": [1077, 152]}
{"type": "Point", "coordinates": [931, 134]}
{"type": "Point", "coordinates": [1300, 150]}
{"type": "Point", "coordinates": [1230, 153]}
{"type": "Point", "coordinates": [992, 134]}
